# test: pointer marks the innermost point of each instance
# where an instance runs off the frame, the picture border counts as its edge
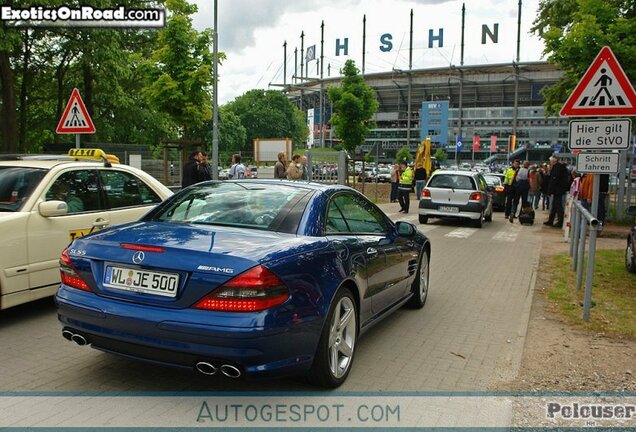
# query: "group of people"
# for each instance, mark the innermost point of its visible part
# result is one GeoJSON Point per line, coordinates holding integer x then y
{"type": "Point", "coordinates": [297, 169]}
{"type": "Point", "coordinates": [527, 185]}
{"type": "Point", "coordinates": [197, 169]}
{"type": "Point", "coordinates": [404, 181]}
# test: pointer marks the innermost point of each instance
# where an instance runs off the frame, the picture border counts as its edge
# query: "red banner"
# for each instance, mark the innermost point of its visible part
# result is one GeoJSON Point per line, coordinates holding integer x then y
{"type": "Point", "coordinates": [476, 141]}
{"type": "Point", "coordinates": [493, 143]}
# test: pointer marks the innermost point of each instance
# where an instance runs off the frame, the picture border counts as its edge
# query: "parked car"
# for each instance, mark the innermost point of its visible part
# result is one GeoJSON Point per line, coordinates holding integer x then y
{"type": "Point", "coordinates": [497, 190]}
{"type": "Point", "coordinates": [248, 277]}
{"type": "Point", "coordinates": [48, 201]}
{"type": "Point", "coordinates": [384, 175]}
{"type": "Point", "coordinates": [630, 249]}
{"type": "Point", "coordinates": [456, 195]}
{"type": "Point", "coordinates": [224, 174]}
{"type": "Point", "coordinates": [368, 175]}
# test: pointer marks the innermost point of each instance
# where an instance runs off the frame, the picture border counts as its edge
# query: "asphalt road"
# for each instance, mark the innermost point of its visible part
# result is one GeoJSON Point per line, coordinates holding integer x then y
{"type": "Point", "coordinates": [469, 335]}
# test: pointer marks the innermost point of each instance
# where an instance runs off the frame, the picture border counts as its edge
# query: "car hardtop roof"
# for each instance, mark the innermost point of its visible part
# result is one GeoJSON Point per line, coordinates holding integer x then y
{"type": "Point", "coordinates": [456, 172]}
{"type": "Point", "coordinates": [292, 183]}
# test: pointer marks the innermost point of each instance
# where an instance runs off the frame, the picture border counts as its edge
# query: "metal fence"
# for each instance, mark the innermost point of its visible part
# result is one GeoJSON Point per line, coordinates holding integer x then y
{"type": "Point", "coordinates": [580, 220]}
{"type": "Point", "coordinates": [327, 167]}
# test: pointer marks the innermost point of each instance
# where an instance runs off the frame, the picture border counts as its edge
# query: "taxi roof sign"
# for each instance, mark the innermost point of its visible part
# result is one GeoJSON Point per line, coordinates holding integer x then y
{"type": "Point", "coordinates": [604, 90]}
{"type": "Point", "coordinates": [75, 119]}
{"type": "Point", "coordinates": [92, 154]}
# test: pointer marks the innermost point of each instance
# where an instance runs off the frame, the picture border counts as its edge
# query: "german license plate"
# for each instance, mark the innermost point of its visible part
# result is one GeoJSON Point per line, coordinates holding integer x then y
{"type": "Point", "coordinates": [449, 209]}
{"type": "Point", "coordinates": [141, 281]}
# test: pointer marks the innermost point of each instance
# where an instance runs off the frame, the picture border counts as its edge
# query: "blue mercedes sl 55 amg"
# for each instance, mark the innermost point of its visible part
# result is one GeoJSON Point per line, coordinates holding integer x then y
{"type": "Point", "coordinates": [249, 277]}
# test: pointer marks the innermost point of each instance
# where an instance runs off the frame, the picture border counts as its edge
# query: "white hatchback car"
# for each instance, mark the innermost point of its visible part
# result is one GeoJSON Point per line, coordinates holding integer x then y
{"type": "Point", "coordinates": [47, 201]}
{"type": "Point", "coordinates": [456, 195]}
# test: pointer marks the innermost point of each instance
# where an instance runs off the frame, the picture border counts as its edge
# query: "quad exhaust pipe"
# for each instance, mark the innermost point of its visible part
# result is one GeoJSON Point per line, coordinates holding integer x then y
{"type": "Point", "coordinates": [74, 337]}
{"type": "Point", "coordinates": [209, 369]}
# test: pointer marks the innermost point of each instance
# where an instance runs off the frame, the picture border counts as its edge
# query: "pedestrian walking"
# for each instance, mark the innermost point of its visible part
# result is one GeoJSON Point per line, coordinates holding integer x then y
{"type": "Point", "coordinates": [190, 171]}
{"type": "Point", "coordinates": [535, 187]}
{"type": "Point", "coordinates": [395, 181]}
{"type": "Point", "coordinates": [294, 170]}
{"type": "Point", "coordinates": [405, 186]}
{"type": "Point", "coordinates": [521, 186]}
{"type": "Point", "coordinates": [559, 181]}
{"type": "Point", "coordinates": [237, 170]}
{"type": "Point", "coordinates": [204, 168]}
{"type": "Point", "coordinates": [509, 181]}
{"type": "Point", "coordinates": [545, 182]}
{"type": "Point", "coordinates": [420, 181]}
{"type": "Point", "coordinates": [280, 169]}
{"type": "Point", "coordinates": [305, 168]}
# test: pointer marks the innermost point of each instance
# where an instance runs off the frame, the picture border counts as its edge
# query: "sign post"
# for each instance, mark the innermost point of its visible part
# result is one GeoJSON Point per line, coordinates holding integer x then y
{"type": "Point", "coordinates": [603, 91]}
{"type": "Point", "coordinates": [75, 119]}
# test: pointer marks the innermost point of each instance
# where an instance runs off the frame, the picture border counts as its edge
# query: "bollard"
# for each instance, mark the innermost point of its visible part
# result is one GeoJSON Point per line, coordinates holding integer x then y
{"type": "Point", "coordinates": [575, 244]}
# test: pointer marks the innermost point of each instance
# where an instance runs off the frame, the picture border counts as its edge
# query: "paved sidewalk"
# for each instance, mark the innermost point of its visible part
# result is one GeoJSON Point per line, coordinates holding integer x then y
{"type": "Point", "coordinates": [469, 336]}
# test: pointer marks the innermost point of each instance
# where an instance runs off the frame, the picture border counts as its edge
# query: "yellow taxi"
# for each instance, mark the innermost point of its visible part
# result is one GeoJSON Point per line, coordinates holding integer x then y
{"type": "Point", "coordinates": [47, 201]}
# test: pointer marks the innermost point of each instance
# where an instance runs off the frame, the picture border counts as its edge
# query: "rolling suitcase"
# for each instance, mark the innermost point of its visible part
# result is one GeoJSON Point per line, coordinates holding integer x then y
{"type": "Point", "coordinates": [526, 217]}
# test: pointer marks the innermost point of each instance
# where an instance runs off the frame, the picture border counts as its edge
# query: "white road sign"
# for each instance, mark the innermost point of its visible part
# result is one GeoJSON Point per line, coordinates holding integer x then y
{"type": "Point", "coordinates": [597, 163]}
{"type": "Point", "coordinates": [608, 134]}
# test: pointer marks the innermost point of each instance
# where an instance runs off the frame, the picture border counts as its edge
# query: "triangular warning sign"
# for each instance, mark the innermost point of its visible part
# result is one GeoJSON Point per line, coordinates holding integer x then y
{"type": "Point", "coordinates": [604, 90]}
{"type": "Point", "coordinates": [75, 119]}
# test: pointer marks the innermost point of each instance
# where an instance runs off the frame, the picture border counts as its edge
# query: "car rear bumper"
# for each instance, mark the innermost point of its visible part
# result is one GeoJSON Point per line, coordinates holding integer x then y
{"type": "Point", "coordinates": [182, 338]}
{"type": "Point", "coordinates": [472, 210]}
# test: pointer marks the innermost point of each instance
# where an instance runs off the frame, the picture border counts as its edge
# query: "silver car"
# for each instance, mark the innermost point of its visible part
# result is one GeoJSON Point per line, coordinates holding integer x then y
{"type": "Point", "coordinates": [456, 195]}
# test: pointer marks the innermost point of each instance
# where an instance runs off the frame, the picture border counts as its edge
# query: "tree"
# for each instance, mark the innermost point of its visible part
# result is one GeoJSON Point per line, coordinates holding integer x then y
{"type": "Point", "coordinates": [180, 70]}
{"type": "Point", "coordinates": [574, 31]}
{"type": "Point", "coordinates": [404, 154]}
{"type": "Point", "coordinates": [267, 114]}
{"type": "Point", "coordinates": [232, 134]}
{"type": "Point", "coordinates": [354, 104]}
{"type": "Point", "coordinates": [440, 155]}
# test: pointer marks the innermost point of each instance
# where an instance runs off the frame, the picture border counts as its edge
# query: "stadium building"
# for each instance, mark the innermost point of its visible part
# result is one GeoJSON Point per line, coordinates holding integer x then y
{"type": "Point", "coordinates": [485, 107]}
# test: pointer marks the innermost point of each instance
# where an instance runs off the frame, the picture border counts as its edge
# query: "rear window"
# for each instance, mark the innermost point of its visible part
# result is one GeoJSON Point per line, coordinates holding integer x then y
{"type": "Point", "coordinates": [493, 180]}
{"type": "Point", "coordinates": [231, 204]}
{"type": "Point", "coordinates": [16, 185]}
{"type": "Point", "coordinates": [452, 181]}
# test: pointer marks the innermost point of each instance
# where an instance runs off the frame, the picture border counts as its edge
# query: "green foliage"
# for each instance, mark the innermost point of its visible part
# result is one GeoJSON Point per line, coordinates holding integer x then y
{"type": "Point", "coordinates": [141, 86]}
{"type": "Point", "coordinates": [574, 31]}
{"type": "Point", "coordinates": [180, 70]}
{"type": "Point", "coordinates": [354, 104]}
{"type": "Point", "coordinates": [267, 114]}
{"type": "Point", "coordinates": [440, 155]}
{"type": "Point", "coordinates": [404, 154]}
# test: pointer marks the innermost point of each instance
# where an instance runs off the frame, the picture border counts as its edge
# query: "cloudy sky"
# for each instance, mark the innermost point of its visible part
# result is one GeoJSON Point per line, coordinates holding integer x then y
{"type": "Point", "coordinates": [252, 33]}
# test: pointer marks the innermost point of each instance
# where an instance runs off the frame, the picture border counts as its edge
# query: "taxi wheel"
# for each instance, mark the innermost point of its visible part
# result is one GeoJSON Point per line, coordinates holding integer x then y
{"type": "Point", "coordinates": [423, 219]}
{"type": "Point", "coordinates": [336, 348]}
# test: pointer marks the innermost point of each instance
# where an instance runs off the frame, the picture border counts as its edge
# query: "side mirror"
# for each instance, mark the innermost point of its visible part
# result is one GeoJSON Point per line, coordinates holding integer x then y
{"type": "Point", "coordinates": [53, 208]}
{"type": "Point", "coordinates": [405, 229]}
{"type": "Point", "coordinates": [631, 210]}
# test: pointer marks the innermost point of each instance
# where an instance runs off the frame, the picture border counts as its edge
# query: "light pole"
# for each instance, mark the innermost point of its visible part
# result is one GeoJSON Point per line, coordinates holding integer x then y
{"type": "Point", "coordinates": [215, 98]}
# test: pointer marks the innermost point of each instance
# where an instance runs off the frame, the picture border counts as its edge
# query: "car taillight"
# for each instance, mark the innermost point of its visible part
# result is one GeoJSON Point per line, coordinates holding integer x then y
{"type": "Point", "coordinates": [254, 290]}
{"type": "Point", "coordinates": [426, 193]}
{"type": "Point", "coordinates": [475, 196]}
{"type": "Point", "coordinates": [499, 188]}
{"type": "Point", "coordinates": [69, 275]}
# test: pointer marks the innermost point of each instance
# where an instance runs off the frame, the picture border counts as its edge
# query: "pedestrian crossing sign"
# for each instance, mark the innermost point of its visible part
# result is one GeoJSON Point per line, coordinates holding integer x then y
{"type": "Point", "coordinates": [75, 119]}
{"type": "Point", "coordinates": [604, 90]}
